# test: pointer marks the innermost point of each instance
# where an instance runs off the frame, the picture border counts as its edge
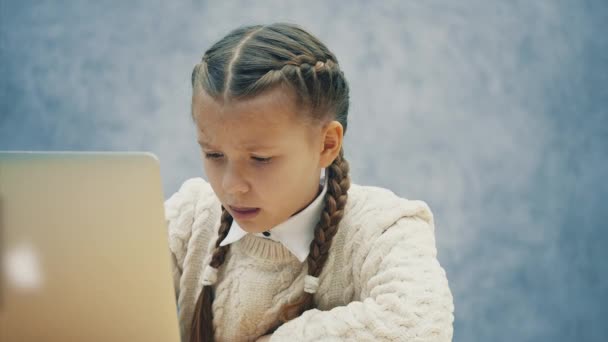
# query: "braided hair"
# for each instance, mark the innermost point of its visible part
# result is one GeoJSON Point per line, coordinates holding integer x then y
{"type": "Point", "coordinates": [246, 62]}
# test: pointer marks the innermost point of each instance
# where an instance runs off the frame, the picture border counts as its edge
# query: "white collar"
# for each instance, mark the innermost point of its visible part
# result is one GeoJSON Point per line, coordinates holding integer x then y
{"type": "Point", "coordinates": [296, 233]}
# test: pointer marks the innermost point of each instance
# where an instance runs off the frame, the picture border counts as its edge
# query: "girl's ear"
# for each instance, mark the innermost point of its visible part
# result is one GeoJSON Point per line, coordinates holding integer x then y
{"type": "Point", "coordinates": [333, 134]}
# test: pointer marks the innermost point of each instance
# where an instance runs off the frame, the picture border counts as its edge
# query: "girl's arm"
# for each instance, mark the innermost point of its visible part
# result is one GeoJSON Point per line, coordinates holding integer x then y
{"type": "Point", "coordinates": [404, 294]}
{"type": "Point", "coordinates": [191, 201]}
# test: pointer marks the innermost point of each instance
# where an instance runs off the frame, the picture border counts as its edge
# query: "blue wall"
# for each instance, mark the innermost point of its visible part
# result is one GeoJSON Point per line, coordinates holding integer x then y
{"type": "Point", "coordinates": [493, 112]}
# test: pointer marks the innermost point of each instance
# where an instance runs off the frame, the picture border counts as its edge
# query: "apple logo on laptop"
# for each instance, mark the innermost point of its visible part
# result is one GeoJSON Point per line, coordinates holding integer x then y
{"type": "Point", "coordinates": [22, 268]}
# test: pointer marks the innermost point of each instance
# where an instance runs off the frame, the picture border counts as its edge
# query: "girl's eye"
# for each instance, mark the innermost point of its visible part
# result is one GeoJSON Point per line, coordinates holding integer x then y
{"type": "Point", "coordinates": [262, 160]}
{"type": "Point", "coordinates": [213, 155]}
{"type": "Point", "coordinates": [219, 155]}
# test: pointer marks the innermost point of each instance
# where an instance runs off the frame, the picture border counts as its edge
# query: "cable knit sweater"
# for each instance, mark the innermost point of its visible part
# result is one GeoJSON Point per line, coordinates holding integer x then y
{"type": "Point", "coordinates": [382, 280]}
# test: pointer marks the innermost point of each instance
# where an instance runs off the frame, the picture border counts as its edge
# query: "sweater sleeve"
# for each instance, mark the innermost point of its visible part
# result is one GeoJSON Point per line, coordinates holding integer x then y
{"type": "Point", "coordinates": [192, 215]}
{"type": "Point", "coordinates": [179, 217]}
{"type": "Point", "coordinates": [404, 294]}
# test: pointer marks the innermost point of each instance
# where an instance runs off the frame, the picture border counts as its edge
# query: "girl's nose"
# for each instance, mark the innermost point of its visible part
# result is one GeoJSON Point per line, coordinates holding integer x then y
{"type": "Point", "coordinates": [233, 182]}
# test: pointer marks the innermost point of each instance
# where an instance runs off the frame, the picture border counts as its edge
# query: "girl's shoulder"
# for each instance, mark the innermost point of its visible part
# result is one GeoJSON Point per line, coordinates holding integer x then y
{"type": "Point", "coordinates": [377, 224]}
{"type": "Point", "coordinates": [382, 208]}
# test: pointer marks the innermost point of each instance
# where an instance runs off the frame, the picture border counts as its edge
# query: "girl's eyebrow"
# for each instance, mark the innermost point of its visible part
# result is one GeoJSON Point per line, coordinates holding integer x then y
{"type": "Point", "coordinates": [204, 144]}
{"type": "Point", "coordinates": [257, 146]}
{"type": "Point", "coordinates": [247, 146]}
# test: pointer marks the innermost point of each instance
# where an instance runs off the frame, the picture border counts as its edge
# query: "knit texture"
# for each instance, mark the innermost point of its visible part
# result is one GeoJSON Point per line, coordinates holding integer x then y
{"type": "Point", "coordinates": [382, 280]}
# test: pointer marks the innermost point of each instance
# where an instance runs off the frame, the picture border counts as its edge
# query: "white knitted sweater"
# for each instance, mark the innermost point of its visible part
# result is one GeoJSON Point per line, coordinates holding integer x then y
{"type": "Point", "coordinates": [382, 280]}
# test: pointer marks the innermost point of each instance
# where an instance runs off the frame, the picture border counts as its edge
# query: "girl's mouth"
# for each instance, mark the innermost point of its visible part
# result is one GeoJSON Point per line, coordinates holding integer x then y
{"type": "Point", "coordinates": [244, 213]}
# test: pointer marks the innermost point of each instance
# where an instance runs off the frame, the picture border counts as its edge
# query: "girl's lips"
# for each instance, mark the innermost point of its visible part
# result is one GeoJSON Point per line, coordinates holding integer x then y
{"type": "Point", "coordinates": [242, 209]}
{"type": "Point", "coordinates": [244, 213]}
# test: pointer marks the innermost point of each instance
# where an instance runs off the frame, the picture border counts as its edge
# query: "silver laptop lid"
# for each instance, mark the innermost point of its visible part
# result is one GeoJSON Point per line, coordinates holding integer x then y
{"type": "Point", "coordinates": [83, 248]}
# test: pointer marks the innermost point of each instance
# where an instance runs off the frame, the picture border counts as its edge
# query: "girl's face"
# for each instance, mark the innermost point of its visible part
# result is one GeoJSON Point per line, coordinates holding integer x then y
{"type": "Point", "coordinates": [259, 155]}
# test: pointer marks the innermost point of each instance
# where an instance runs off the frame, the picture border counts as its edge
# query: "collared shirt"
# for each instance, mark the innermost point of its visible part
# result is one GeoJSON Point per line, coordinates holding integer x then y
{"type": "Point", "coordinates": [296, 233]}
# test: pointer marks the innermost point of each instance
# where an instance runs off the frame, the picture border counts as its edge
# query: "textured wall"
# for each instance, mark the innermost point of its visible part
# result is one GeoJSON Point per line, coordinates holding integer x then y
{"type": "Point", "coordinates": [494, 112]}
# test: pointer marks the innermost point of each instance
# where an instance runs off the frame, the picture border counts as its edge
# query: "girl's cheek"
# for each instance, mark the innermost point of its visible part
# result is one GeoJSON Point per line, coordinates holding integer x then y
{"type": "Point", "coordinates": [212, 171]}
{"type": "Point", "coordinates": [269, 180]}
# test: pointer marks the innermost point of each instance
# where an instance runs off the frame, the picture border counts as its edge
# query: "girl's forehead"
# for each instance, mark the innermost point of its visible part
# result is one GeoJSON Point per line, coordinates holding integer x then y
{"type": "Point", "coordinates": [266, 118]}
{"type": "Point", "coordinates": [270, 108]}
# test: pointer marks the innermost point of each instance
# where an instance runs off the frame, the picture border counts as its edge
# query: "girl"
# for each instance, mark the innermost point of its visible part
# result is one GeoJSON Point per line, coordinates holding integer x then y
{"type": "Point", "coordinates": [279, 245]}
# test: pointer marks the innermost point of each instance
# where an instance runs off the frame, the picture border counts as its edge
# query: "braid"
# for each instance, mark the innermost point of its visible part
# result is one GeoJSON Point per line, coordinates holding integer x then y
{"type": "Point", "coordinates": [311, 75]}
{"type": "Point", "coordinates": [201, 329]}
{"type": "Point", "coordinates": [335, 202]}
{"type": "Point", "coordinates": [306, 72]}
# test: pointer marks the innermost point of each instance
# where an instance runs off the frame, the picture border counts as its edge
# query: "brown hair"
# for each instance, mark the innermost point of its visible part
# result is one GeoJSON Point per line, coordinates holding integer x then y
{"type": "Point", "coordinates": [246, 62]}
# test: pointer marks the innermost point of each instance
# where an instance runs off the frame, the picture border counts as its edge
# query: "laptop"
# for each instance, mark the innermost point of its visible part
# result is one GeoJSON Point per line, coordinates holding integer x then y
{"type": "Point", "coordinates": [83, 248]}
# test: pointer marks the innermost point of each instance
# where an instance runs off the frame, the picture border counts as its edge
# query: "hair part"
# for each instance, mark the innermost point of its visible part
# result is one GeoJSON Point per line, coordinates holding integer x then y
{"type": "Point", "coordinates": [251, 60]}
